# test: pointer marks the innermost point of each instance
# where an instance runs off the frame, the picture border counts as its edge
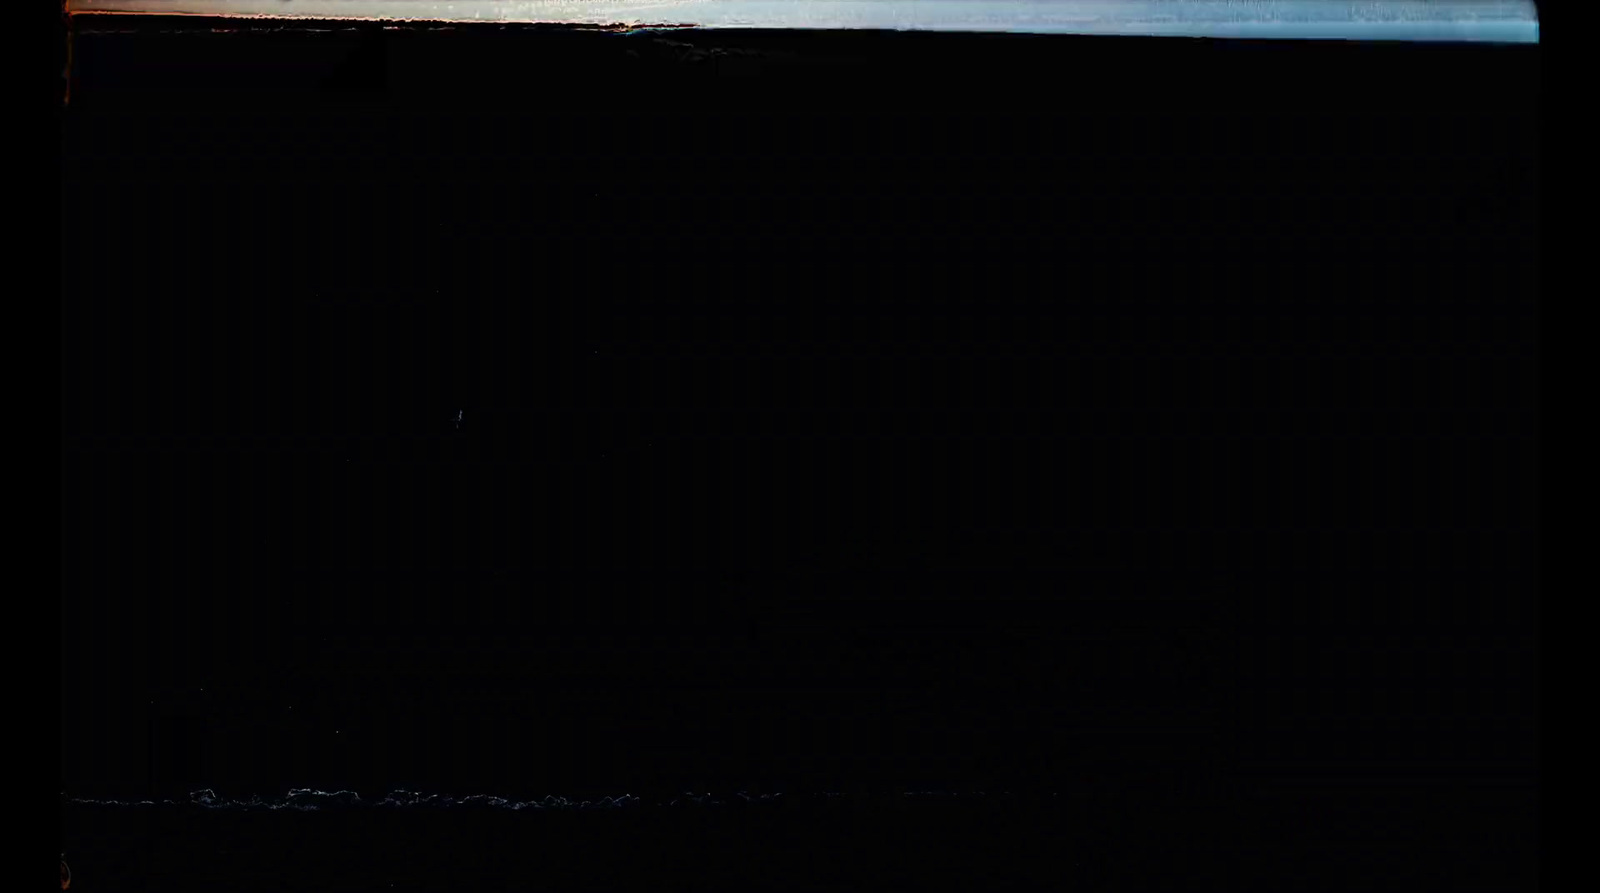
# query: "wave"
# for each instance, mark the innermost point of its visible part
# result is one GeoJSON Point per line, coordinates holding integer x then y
{"type": "Point", "coordinates": [312, 799]}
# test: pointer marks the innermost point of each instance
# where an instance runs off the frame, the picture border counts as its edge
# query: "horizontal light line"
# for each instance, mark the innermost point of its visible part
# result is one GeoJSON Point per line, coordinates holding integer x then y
{"type": "Point", "coordinates": [1500, 21]}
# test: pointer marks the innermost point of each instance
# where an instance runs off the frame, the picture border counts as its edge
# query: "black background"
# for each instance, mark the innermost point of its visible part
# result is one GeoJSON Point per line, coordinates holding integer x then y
{"type": "Point", "coordinates": [1147, 423]}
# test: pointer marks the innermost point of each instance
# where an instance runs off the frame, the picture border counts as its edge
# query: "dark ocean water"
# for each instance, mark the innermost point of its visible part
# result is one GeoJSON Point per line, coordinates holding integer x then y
{"type": "Point", "coordinates": [1272, 838]}
{"type": "Point", "coordinates": [1164, 471]}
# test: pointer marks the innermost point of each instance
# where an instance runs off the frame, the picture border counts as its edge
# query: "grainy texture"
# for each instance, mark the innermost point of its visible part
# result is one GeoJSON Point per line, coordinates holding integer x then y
{"type": "Point", "coordinates": [527, 411]}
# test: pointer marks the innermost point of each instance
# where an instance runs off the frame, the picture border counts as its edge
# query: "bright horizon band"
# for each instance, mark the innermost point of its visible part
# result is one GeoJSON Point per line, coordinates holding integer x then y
{"type": "Point", "coordinates": [1504, 21]}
